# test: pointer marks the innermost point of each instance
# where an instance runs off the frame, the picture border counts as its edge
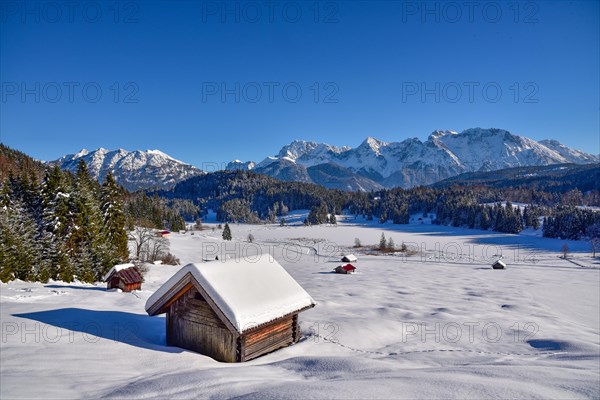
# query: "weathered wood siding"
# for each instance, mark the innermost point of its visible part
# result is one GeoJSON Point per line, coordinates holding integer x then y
{"type": "Point", "coordinates": [117, 283]}
{"type": "Point", "coordinates": [193, 325]}
{"type": "Point", "coordinates": [129, 287]}
{"type": "Point", "coordinates": [277, 334]}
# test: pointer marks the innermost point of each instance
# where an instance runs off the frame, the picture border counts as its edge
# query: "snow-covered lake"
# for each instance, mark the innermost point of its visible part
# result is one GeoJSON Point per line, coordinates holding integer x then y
{"type": "Point", "coordinates": [437, 324]}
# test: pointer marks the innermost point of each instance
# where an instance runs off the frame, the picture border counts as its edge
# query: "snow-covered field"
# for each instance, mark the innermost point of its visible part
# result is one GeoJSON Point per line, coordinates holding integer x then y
{"type": "Point", "coordinates": [439, 323]}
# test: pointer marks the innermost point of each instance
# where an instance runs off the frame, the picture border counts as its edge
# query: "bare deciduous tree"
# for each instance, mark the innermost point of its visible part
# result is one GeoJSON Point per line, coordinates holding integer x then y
{"type": "Point", "coordinates": [147, 246]}
{"type": "Point", "coordinates": [158, 247]}
{"type": "Point", "coordinates": [565, 250]}
{"type": "Point", "coordinates": [140, 236]}
{"type": "Point", "coordinates": [595, 243]}
{"type": "Point", "coordinates": [594, 237]}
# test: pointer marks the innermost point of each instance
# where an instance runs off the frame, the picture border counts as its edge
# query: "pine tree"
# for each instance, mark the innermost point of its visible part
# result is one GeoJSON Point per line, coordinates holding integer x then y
{"type": "Point", "coordinates": [486, 221]}
{"type": "Point", "coordinates": [382, 242]}
{"type": "Point", "coordinates": [535, 222]}
{"type": "Point", "coordinates": [7, 240]}
{"type": "Point", "coordinates": [227, 232]}
{"type": "Point", "coordinates": [19, 243]}
{"type": "Point", "coordinates": [176, 222]}
{"type": "Point", "coordinates": [391, 245]}
{"type": "Point", "coordinates": [88, 242]}
{"type": "Point", "coordinates": [114, 221]}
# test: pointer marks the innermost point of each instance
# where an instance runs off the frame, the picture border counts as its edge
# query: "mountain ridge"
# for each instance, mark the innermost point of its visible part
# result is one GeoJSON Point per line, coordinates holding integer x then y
{"type": "Point", "coordinates": [372, 165]}
{"type": "Point", "coordinates": [134, 170]}
{"type": "Point", "coordinates": [412, 162]}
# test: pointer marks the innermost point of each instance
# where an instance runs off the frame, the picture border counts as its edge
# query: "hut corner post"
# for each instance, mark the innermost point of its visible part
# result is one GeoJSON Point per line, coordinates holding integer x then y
{"type": "Point", "coordinates": [296, 334]}
{"type": "Point", "coordinates": [240, 349]}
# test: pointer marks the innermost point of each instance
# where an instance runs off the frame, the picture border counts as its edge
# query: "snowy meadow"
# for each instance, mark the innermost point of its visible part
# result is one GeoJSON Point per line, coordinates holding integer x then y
{"type": "Point", "coordinates": [432, 322]}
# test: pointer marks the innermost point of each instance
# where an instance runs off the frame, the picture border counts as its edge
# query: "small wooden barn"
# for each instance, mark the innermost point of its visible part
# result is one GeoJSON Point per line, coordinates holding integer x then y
{"type": "Point", "coordinates": [232, 310]}
{"type": "Point", "coordinates": [164, 234]}
{"type": "Point", "coordinates": [345, 269]}
{"type": "Point", "coordinates": [125, 277]}
{"type": "Point", "coordinates": [349, 258]}
{"type": "Point", "coordinates": [499, 264]}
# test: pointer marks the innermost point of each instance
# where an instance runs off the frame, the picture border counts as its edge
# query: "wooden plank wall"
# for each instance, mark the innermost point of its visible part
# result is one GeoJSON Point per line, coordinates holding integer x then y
{"type": "Point", "coordinates": [193, 325]}
{"type": "Point", "coordinates": [271, 337]}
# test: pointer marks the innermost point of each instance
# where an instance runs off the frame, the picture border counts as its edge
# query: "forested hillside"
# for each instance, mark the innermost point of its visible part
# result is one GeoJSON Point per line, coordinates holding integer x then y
{"type": "Point", "coordinates": [549, 178]}
{"type": "Point", "coordinates": [63, 227]}
{"type": "Point", "coordinates": [18, 163]}
{"type": "Point", "coordinates": [244, 196]}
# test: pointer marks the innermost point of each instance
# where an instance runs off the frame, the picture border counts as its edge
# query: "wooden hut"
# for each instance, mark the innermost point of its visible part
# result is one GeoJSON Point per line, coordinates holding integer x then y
{"type": "Point", "coordinates": [123, 276]}
{"type": "Point", "coordinates": [349, 258]}
{"type": "Point", "coordinates": [345, 269]}
{"type": "Point", "coordinates": [232, 310]}
{"type": "Point", "coordinates": [499, 264]}
{"type": "Point", "coordinates": [163, 234]}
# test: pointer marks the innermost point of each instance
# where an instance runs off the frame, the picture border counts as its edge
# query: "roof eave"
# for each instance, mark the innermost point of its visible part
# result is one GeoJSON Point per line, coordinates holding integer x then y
{"type": "Point", "coordinates": [259, 326]}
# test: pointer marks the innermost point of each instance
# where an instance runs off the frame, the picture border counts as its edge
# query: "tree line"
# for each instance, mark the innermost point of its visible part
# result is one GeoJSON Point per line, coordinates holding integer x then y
{"type": "Point", "coordinates": [244, 196]}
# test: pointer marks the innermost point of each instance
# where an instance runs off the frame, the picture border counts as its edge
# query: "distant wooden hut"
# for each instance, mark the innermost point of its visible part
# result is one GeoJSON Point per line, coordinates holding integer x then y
{"type": "Point", "coordinates": [232, 310]}
{"type": "Point", "coordinates": [499, 264]}
{"type": "Point", "coordinates": [345, 269]}
{"type": "Point", "coordinates": [125, 277]}
{"type": "Point", "coordinates": [164, 234]}
{"type": "Point", "coordinates": [349, 258]}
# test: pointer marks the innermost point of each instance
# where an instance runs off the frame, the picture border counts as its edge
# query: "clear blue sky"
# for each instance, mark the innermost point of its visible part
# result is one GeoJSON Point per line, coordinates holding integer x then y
{"type": "Point", "coordinates": [363, 68]}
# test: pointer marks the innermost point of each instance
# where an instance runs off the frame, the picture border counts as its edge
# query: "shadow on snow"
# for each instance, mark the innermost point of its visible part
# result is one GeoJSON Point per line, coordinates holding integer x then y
{"type": "Point", "coordinates": [103, 289]}
{"type": "Point", "coordinates": [133, 329]}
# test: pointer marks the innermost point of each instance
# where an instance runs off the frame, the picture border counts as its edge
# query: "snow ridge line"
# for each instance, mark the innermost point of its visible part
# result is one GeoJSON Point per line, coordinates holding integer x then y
{"type": "Point", "coordinates": [337, 342]}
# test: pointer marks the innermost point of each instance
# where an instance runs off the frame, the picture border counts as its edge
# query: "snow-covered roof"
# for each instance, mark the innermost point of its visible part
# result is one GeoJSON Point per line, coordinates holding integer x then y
{"type": "Point", "coordinates": [247, 293]}
{"type": "Point", "coordinates": [350, 257]}
{"type": "Point", "coordinates": [116, 268]}
{"type": "Point", "coordinates": [345, 268]}
{"type": "Point", "coordinates": [500, 262]}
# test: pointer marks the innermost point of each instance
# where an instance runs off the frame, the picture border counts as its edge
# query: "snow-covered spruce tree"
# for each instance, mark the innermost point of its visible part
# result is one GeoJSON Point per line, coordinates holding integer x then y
{"type": "Point", "coordinates": [7, 238]}
{"type": "Point", "coordinates": [87, 238]}
{"type": "Point", "coordinates": [391, 245]}
{"type": "Point", "coordinates": [227, 232]}
{"type": "Point", "coordinates": [535, 222]}
{"type": "Point", "coordinates": [176, 222]}
{"type": "Point", "coordinates": [382, 242]}
{"type": "Point", "coordinates": [20, 257]}
{"type": "Point", "coordinates": [318, 215]}
{"type": "Point", "coordinates": [18, 240]}
{"type": "Point", "coordinates": [56, 222]}
{"type": "Point", "coordinates": [114, 221]}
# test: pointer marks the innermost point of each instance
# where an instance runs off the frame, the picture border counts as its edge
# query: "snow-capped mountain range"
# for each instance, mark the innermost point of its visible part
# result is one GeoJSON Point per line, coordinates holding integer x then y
{"type": "Point", "coordinates": [411, 162]}
{"type": "Point", "coordinates": [133, 170]}
{"type": "Point", "coordinates": [373, 165]}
